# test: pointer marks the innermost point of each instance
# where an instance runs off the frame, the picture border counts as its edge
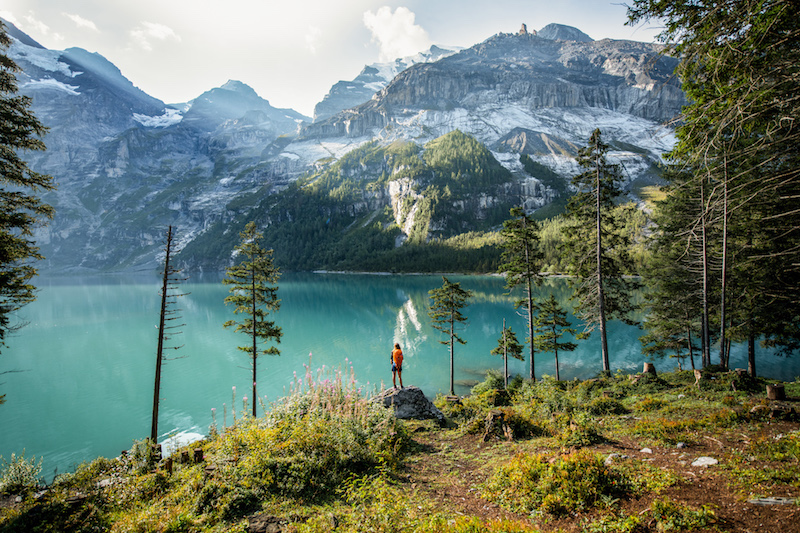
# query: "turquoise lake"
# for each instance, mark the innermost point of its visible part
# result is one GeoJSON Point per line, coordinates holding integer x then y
{"type": "Point", "coordinates": [78, 377]}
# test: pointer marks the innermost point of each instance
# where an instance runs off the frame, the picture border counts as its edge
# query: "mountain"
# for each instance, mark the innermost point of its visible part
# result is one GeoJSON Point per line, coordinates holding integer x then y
{"type": "Point", "coordinates": [127, 165]}
{"type": "Point", "coordinates": [346, 94]}
{"type": "Point", "coordinates": [443, 148]}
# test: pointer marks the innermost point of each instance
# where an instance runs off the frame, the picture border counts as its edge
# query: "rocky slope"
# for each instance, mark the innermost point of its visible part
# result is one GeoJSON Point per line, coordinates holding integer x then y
{"type": "Point", "coordinates": [128, 165]}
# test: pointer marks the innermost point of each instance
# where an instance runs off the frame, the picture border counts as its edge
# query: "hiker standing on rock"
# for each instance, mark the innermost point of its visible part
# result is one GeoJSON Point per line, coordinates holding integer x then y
{"type": "Point", "coordinates": [397, 365]}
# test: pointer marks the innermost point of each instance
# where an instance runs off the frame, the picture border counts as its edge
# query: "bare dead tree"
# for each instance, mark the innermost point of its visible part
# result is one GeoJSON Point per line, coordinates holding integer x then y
{"type": "Point", "coordinates": [167, 325]}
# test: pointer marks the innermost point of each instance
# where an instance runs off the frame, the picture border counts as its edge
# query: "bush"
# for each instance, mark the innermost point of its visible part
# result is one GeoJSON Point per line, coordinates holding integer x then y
{"type": "Point", "coordinates": [19, 475]}
{"type": "Point", "coordinates": [575, 482]}
{"type": "Point", "coordinates": [605, 406]}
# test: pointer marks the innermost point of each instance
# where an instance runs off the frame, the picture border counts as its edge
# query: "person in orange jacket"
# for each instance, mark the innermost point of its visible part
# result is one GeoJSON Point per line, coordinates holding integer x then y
{"type": "Point", "coordinates": [397, 365]}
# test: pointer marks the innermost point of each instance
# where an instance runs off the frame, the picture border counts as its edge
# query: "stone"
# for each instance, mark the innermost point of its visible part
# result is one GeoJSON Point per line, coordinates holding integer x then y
{"type": "Point", "coordinates": [264, 524]}
{"type": "Point", "coordinates": [645, 450]}
{"type": "Point", "coordinates": [704, 461]}
{"type": "Point", "coordinates": [773, 500]}
{"type": "Point", "coordinates": [410, 403]}
{"type": "Point", "coordinates": [613, 457]}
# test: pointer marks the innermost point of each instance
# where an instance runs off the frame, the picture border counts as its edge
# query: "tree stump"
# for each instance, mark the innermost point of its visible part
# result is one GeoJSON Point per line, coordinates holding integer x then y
{"type": "Point", "coordinates": [776, 392]}
{"type": "Point", "coordinates": [649, 368]}
{"type": "Point", "coordinates": [198, 455]}
{"type": "Point", "coordinates": [698, 375]}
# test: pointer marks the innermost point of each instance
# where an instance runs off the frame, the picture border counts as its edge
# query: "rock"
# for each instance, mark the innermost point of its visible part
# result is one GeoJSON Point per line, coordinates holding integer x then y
{"type": "Point", "coordinates": [681, 445]}
{"type": "Point", "coordinates": [645, 450]}
{"type": "Point", "coordinates": [704, 461]}
{"type": "Point", "coordinates": [613, 457]}
{"type": "Point", "coordinates": [265, 524]}
{"type": "Point", "coordinates": [410, 403]}
{"type": "Point", "coordinates": [774, 500]}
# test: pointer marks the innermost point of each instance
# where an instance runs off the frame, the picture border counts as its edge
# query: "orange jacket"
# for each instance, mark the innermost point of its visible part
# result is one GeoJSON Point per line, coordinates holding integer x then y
{"type": "Point", "coordinates": [397, 356]}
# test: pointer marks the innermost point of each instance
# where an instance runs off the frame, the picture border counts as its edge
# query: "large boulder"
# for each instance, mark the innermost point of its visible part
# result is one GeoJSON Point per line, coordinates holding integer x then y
{"type": "Point", "coordinates": [410, 402]}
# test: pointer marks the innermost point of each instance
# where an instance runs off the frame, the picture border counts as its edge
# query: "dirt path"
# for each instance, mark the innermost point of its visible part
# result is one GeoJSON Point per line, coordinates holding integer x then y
{"type": "Point", "coordinates": [450, 468]}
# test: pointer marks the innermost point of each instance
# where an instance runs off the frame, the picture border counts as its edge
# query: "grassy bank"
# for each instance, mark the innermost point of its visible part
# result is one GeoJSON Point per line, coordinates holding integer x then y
{"type": "Point", "coordinates": [610, 454]}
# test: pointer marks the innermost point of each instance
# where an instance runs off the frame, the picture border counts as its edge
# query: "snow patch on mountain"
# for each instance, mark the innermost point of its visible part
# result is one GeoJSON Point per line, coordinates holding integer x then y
{"type": "Point", "coordinates": [169, 118]}
{"type": "Point", "coordinates": [49, 60]}
{"type": "Point", "coordinates": [50, 83]}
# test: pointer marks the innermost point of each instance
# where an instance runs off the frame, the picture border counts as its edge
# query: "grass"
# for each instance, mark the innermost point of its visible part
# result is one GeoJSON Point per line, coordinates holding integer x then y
{"type": "Point", "coordinates": [326, 458]}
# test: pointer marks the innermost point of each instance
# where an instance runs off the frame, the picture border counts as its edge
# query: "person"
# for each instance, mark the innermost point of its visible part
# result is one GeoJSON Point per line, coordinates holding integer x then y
{"type": "Point", "coordinates": [397, 365]}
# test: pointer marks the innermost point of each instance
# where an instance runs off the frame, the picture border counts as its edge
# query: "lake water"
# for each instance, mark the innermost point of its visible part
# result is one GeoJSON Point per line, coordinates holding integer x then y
{"type": "Point", "coordinates": [79, 381]}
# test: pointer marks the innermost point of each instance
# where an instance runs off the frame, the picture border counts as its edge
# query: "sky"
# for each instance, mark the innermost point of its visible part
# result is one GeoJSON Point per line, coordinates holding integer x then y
{"type": "Point", "coordinates": [290, 51]}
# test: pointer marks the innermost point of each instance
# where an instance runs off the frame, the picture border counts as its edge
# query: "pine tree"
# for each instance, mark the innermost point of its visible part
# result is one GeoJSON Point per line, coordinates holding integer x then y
{"type": "Point", "coordinates": [447, 302]}
{"type": "Point", "coordinates": [21, 210]}
{"type": "Point", "coordinates": [521, 264]}
{"type": "Point", "coordinates": [596, 249]}
{"type": "Point", "coordinates": [508, 345]}
{"type": "Point", "coordinates": [551, 325]}
{"type": "Point", "coordinates": [253, 291]}
{"type": "Point", "coordinates": [738, 136]}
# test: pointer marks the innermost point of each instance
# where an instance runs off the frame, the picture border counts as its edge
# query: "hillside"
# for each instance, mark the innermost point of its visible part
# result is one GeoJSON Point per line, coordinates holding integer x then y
{"type": "Point", "coordinates": [625, 453]}
{"type": "Point", "coordinates": [128, 165]}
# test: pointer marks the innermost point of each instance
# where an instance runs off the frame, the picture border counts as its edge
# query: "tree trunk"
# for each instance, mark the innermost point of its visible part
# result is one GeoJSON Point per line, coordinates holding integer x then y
{"type": "Point", "coordinates": [751, 354]}
{"type": "Point", "coordinates": [706, 343]}
{"type": "Point", "coordinates": [723, 360]}
{"type": "Point", "coordinates": [255, 336]}
{"type": "Point", "coordinates": [600, 292]}
{"type": "Point", "coordinates": [530, 301]}
{"type": "Point", "coordinates": [505, 357]}
{"type": "Point", "coordinates": [160, 350]}
{"type": "Point", "coordinates": [452, 341]}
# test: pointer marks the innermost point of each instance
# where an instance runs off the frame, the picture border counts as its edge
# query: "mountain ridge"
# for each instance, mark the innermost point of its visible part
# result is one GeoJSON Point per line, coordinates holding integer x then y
{"type": "Point", "coordinates": [128, 164]}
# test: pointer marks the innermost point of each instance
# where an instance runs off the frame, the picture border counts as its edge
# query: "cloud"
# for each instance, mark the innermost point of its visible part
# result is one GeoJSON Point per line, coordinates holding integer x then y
{"type": "Point", "coordinates": [312, 37]}
{"type": "Point", "coordinates": [396, 33]}
{"type": "Point", "coordinates": [81, 22]}
{"type": "Point", "coordinates": [32, 25]}
{"type": "Point", "coordinates": [147, 32]}
{"type": "Point", "coordinates": [7, 15]}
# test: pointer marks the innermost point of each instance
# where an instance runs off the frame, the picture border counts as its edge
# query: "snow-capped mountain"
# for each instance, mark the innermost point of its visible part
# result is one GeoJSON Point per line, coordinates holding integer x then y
{"type": "Point", "coordinates": [127, 164]}
{"type": "Point", "coordinates": [523, 83]}
{"type": "Point", "coordinates": [346, 94]}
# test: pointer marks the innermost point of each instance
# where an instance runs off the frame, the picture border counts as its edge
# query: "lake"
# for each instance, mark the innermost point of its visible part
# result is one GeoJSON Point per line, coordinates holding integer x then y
{"type": "Point", "coordinates": [79, 376]}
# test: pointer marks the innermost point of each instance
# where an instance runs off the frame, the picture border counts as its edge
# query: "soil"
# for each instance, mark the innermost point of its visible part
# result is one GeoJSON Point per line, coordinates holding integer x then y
{"type": "Point", "coordinates": [450, 468]}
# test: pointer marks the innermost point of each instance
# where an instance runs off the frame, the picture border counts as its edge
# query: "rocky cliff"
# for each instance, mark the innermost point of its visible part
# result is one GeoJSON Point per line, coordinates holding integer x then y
{"type": "Point", "coordinates": [128, 165]}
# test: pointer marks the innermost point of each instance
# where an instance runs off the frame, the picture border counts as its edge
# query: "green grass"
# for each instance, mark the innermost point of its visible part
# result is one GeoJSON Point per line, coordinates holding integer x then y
{"type": "Point", "coordinates": [325, 457]}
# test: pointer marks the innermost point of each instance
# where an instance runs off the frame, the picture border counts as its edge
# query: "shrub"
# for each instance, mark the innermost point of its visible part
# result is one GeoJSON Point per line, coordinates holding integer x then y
{"type": "Point", "coordinates": [672, 516]}
{"type": "Point", "coordinates": [605, 406]}
{"type": "Point", "coordinates": [650, 404]}
{"type": "Point", "coordinates": [575, 482]}
{"type": "Point", "coordinates": [19, 475]}
{"type": "Point", "coordinates": [665, 430]}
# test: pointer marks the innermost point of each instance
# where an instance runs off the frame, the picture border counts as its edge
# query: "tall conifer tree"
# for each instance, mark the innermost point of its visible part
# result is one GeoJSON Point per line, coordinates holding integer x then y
{"type": "Point", "coordinates": [447, 302]}
{"type": "Point", "coordinates": [21, 209]}
{"type": "Point", "coordinates": [521, 265]}
{"type": "Point", "coordinates": [551, 325]}
{"type": "Point", "coordinates": [597, 250]}
{"type": "Point", "coordinates": [253, 290]}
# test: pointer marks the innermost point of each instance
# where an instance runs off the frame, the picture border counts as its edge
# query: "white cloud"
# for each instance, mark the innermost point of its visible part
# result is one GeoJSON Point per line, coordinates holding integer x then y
{"type": "Point", "coordinates": [396, 33]}
{"type": "Point", "coordinates": [7, 15]}
{"type": "Point", "coordinates": [147, 32]}
{"type": "Point", "coordinates": [312, 37]}
{"type": "Point", "coordinates": [33, 25]}
{"type": "Point", "coordinates": [81, 22]}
